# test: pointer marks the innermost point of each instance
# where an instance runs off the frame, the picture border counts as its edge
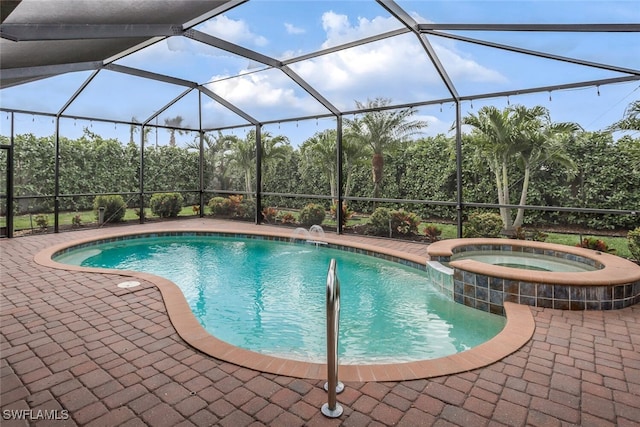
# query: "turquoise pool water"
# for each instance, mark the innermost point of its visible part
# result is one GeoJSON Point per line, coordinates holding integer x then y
{"type": "Point", "coordinates": [269, 297]}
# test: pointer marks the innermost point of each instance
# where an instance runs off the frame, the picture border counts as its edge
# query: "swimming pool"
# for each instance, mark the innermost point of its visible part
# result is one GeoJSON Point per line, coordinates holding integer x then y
{"type": "Point", "coordinates": [268, 296]}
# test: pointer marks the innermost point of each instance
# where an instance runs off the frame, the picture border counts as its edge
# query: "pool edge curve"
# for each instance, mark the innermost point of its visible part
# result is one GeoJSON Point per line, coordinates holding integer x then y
{"type": "Point", "coordinates": [518, 330]}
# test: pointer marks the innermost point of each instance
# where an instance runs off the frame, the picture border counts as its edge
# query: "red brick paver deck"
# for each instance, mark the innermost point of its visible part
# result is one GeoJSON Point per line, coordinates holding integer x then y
{"type": "Point", "coordinates": [73, 345]}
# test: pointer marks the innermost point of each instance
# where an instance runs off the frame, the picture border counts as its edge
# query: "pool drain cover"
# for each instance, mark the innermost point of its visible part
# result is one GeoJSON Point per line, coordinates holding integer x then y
{"type": "Point", "coordinates": [131, 284]}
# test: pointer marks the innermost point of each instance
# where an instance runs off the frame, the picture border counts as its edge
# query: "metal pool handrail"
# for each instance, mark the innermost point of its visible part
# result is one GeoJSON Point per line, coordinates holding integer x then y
{"type": "Point", "coordinates": [332, 408]}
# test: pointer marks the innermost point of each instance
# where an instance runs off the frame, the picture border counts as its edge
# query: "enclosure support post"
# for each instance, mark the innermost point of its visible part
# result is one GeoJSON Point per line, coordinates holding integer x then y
{"type": "Point", "coordinates": [10, 192]}
{"type": "Point", "coordinates": [332, 408]}
{"type": "Point", "coordinates": [201, 198]}
{"type": "Point", "coordinates": [459, 199]}
{"type": "Point", "coordinates": [201, 157]}
{"type": "Point", "coordinates": [141, 175]}
{"type": "Point", "coordinates": [339, 158]}
{"type": "Point", "coordinates": [258, 174]}
{"type": "Point", "coordinates": [56, 191]}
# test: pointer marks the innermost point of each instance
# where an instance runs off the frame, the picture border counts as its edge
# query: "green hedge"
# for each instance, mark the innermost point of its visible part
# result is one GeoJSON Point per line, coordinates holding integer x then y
{"type": "Point", "coordinates": [634, 243]}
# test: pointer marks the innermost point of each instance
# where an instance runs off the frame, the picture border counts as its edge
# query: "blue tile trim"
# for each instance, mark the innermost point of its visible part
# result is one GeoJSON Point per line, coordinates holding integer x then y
{"type": "Point", "coordinates": [471, 290]}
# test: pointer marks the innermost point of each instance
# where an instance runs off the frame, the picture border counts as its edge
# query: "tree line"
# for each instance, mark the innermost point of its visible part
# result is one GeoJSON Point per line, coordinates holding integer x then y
{"type": "Point", "coordinates": [517, 156]}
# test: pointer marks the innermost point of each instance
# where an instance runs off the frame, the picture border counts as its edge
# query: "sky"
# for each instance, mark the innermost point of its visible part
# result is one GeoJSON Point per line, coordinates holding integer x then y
{"type": "Point", "coordinates": [395, 68]}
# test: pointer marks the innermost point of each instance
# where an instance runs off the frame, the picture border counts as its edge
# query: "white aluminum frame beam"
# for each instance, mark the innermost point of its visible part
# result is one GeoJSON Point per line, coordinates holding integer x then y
{"type": "Point", "coordinates": [573, 28]}
{"type": "Point", "coordinates": [401, 15]}
{"type": "Point", "coordinates": [263, 59]}
{"type": "Point", "coordinates": [48, 70]}
{"type": "Point", "coordinates": [49, 32]}
{"type": "Point", "coordinates": [536, 53]}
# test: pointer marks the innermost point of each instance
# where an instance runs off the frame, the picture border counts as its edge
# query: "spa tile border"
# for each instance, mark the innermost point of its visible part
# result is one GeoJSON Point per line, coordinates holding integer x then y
{"type": "Point", "coordinates": [615, 283]}
{"type": "Point", "coordinates": [518, 330]}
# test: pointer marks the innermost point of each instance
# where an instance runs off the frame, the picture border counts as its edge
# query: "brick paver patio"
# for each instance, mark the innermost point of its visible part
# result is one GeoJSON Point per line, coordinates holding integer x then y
{"type": "Point", "coordinates": [75, 343]}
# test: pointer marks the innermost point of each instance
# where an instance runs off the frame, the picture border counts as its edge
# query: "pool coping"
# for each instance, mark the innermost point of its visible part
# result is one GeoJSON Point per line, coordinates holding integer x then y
{"type": "Point", "coordinates": [616, 270]}
{"type": "Point", "coordinates": [518, 330]}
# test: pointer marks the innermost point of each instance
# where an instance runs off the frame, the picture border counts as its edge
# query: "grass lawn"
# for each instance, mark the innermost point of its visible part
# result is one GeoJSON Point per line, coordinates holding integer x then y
{"type": "Point", "coordinates": [619, 244]}
{"type": "Point", "coordinates": [27, 222]}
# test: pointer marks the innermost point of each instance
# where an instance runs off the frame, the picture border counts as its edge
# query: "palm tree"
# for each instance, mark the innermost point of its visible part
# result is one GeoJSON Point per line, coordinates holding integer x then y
{"type": "Point", "coordinates": [524, 135]}
{"type": "Point", "coordinates": [244, 154]}
{"type": "Point", "coordinates": [383, 131]}
{"type": "Point", "coordinates": [540, 141]}
{"type": "Point", "coordinates": [274, 149]}
{"type": "Point", "coordinates": [353, 154]}
{"type": "Point", "coordinates": [174, 123]}
{"type": "Point", "coordinates": [320, 151]}
{"type": "Point", "coordinates": [631, 119]}
{"type": "Point", "coordinates": [133, 129]}
{"type": "Point", "coordinates": [216, 151]}
{"type": "Point", "coordinates": [243, 157]}
{"type": "Point", "coordinates": [492, 133]}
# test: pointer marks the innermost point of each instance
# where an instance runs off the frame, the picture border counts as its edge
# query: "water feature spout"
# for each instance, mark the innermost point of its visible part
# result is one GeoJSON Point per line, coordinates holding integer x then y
{"type": "Point", "coordinates": [316, 231]}
{"type": "Point", "coordinates": [310, 236]}
{"type": "Point", "coordinates": [301, 234]}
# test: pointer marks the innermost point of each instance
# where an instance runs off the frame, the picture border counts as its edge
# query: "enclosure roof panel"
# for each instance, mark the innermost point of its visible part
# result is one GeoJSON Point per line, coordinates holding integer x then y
{"type": "Point", "coordinates": [266, 61]}
{"type": "Point", "coordinates": [64, 32]}
{"type": "Point", "coordinates": [522, 11]}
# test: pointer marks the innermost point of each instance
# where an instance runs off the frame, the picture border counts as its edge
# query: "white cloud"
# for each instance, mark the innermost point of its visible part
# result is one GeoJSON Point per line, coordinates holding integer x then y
{"type": "Point", "coordinates": [436, 125]}
{"type": "Point", "coordinates": [292, 29]}
{"type": "Point", "coordinates": [398, 64]}
{"type": "Point", "coordinates": [339, 30]}
{"type": "Point", "coordinates": [359, 66]}
{"type": "Point", "coordinates": [459, 66]}
{"type": "Point", "coordinates": [397, 68]}
{"type": "Point", "coordinates": [262, 90]}
{"type": "Point", "coordinates": [235, 31]}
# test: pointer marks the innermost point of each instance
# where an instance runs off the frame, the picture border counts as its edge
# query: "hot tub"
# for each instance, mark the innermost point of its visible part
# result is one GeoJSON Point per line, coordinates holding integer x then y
{"type": "Point", "coordinates": [605, 281]}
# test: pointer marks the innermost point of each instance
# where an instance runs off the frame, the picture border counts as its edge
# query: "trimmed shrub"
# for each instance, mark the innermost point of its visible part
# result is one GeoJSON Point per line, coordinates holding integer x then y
{"type": "Point", "coordinates": [166, 205]}
{"type": "Point", "coordinates": [389, 223]}
{"type": "Point", "coordinates": [539, 236]}
{"type": "Point", "coordinates": [76, 221]}
{"type": "Point", "coordinates": [379, 222]}
{"type": "Point", "coordinates": [269, 214]}
{"type": "Point", "coordinates": [485, 224]}
{"type": "Point", "coordinates": [633, 237]}
{"type": "Point", "coordinates": [246, 209]}
{"type": "Point", "coordinates": [286, 217]}
{"type": "Point", "coordinates": [404, 223]}
{"type": "Point", "coordinates": [232, 206]}
{"type": "Point", "coordinates": [312, 214]}
{"type": "Point", "coordinates": [433, 233]}
{"type": "Point", "coordinates": [219, 206]}
{"type": "Point", "coordinates": [235, 204]}
{"type": "Point", "coordinates": [42, 221]}
{"type": "Point", "coordinates": [114, 207]}
{"type": "Point", "coordinates": [595, 244]}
